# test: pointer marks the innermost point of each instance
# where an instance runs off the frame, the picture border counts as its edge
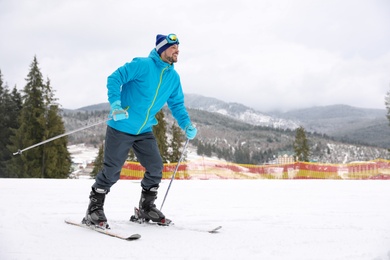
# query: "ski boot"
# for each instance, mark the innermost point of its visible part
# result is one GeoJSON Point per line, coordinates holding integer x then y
{"type": "Point", "coordinates": [95, 212]}
{"type": "Point", "coordinates": [147, 210]}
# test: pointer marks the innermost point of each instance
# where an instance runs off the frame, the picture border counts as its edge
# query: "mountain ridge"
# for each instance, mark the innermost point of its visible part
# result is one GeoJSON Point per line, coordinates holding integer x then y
{"type": "Point", "coordinates": [343, 122]}
{"type": "Point", "coordinates": [336, 133]}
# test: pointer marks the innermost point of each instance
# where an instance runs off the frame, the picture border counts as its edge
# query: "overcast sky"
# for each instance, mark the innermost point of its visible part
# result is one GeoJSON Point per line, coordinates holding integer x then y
{"type": "Point", "coordinates": [269, 55]}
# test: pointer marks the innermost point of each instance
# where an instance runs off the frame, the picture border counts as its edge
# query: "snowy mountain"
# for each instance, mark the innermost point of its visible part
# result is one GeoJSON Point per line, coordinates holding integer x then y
{"type": "Point", "coordinates": [362, 125]}
{"type": "Point", "coordinates": [238, 111]}
{"type": "Point", "coordinates": [336, 133]}
{"type": "Point", "coordinates": [233, 110]}
{"type": "Point", "coordinates": [345, 123]}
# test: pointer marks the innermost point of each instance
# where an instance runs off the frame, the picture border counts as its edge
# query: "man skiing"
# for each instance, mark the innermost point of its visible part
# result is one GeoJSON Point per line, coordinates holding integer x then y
{"type": "Point", "coordinates": [137, 91]}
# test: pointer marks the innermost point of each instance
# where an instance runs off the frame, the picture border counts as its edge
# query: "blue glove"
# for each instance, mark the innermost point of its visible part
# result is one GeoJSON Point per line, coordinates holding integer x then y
{"type": "Point", "coordinates": [191, 131]}
{"type": "Point", "coordinates": [117, 112]}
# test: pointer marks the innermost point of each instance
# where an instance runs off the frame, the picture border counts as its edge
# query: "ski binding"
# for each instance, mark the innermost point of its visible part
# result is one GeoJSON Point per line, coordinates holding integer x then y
{"type": "Point", "coordinates": [138, 219]}
{"type": "Point", "coordinates": [167, 222]}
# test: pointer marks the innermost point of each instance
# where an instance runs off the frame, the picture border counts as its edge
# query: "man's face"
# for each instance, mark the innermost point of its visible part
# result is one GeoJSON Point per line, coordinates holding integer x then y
{"type": "Point", "coordinates": [170, 55]}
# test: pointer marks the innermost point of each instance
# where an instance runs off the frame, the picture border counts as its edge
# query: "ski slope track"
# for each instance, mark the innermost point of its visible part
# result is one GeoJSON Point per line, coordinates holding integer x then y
{"type": "Point", "coordinates": [261, 219]}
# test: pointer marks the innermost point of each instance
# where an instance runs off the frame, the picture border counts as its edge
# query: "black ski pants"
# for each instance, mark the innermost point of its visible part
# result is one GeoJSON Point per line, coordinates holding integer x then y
{"type": "Point", "coordinates": [116, 150]}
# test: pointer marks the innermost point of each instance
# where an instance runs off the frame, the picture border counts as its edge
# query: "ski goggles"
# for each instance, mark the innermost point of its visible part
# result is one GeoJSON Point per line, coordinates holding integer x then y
{"type": "Point", "coordinates": [170, 39]}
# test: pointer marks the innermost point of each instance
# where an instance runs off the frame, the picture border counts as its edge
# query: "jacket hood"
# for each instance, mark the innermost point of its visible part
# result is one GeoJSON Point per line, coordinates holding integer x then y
{"type": "Point", "coordinates": [156, 57]}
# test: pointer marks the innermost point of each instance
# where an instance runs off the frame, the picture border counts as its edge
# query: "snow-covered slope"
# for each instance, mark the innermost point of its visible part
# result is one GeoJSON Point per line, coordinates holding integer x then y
{"type": "Point", "coordinates": [338, 220]}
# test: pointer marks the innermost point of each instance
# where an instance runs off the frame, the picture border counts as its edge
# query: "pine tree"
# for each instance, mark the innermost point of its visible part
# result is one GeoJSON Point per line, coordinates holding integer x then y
{"type": "Point", "coordinates": [301, 146]}
{"type": "Point", "coordinates": [98, 163]}
{"type": "Point", "coordinates": [131, 156]}
{"type": "Point", "coordinates": [176, 143]}
{"type": "Point", "coordinates": [387, 103]}
{"type": "Point", "coordinates": [4, 130]}
{"type": "Point", "coordinates": [56, 157]}
{"type": "Point", "coordinates": [12, 107]}
{"type": "Point", "coordinates": [39, 120]}
{"type": "Point", "coordinates": [200, 149]}
{"type": "Point", "coordinates": [160, 132]}
{"type": "Point", "coordinates": [242, 155]}
{"type": "Point", "coordinates": [31, 130]}
{"type": "Point", "coordinates": [208, 151]}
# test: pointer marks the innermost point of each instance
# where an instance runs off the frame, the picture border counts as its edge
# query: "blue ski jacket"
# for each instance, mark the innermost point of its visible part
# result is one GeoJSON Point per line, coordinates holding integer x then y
{"type": "Point", "coordinates": [144, 86]}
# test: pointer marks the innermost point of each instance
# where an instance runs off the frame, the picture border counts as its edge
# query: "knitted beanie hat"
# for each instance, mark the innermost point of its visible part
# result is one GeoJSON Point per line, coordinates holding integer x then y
{"type": "Point", "coordinates": [163, 42]}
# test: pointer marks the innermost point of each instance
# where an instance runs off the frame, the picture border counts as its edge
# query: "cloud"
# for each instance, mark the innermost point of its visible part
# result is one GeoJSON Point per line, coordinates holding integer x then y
{"type": "Point", "coordinates": [265, 54]}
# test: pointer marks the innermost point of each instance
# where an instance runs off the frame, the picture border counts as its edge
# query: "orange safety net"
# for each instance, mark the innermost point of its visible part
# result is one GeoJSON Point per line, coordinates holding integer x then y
{"type": "Point", "coordinates": [215, 169]}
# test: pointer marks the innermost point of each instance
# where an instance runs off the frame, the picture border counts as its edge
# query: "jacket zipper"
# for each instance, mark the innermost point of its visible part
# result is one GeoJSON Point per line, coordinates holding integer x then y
{"type": "Point", "coordinates": [154, 100]}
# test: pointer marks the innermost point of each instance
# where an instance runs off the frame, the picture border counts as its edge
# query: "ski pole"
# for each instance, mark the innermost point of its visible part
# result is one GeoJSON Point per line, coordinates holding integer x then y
{"type": "Point", "coordinates": [59, 136]}
{"type": "Point", "coordinates": [174, 173]}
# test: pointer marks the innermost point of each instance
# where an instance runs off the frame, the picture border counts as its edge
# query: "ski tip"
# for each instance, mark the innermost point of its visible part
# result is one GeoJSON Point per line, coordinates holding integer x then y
{"type": "Point", "coordinates": [68, 221]}
{"type": "Point", "coordinates": [134, 237]}
{"type": "Point", "coordinates": [215, 230]}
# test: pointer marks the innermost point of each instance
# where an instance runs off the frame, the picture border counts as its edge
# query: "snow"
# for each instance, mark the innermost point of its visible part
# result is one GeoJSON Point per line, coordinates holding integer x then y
{"type": "Point", "coordinates": [261, 219]}
{"type": "Point", "coordinates": [82, 154]}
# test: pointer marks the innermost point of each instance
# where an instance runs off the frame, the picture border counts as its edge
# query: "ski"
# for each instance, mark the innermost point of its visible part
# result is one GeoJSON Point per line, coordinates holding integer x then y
{"type": "Point", "coordinates": [104, 231]}
{"type": "Point", "coordinates": [167, 222]}
{"type": "Point", "coordinates": [214, 230]}
{"type": "Point", "coordinates": [207, 230]}
{"type": "Point", "coordinates": [176, 227]}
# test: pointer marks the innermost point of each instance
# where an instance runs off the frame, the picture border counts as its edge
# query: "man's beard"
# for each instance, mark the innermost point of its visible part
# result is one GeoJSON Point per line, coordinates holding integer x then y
{"type": "Point", "coordinates": [171, 59]}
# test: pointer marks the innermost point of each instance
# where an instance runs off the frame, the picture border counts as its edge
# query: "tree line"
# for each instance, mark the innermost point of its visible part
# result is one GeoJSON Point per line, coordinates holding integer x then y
{"type": "Point", "coordinates": [29, 117]}
{"type": "Point", "coordinates": [243, 155]}
{"type": "Point", "coordinates": [32, 116]}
